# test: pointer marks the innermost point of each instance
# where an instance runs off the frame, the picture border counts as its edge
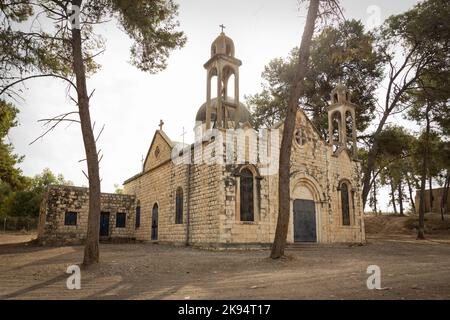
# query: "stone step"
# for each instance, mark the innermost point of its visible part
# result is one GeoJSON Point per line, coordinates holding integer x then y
{"type": "Point", "coordinates": [311, 245]}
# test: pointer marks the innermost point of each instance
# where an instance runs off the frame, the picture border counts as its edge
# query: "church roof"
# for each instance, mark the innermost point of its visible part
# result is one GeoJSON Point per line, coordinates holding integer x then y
{"type": "Point", "coordinates": [165, 138]}
{"type": "Point", "coordinates": [222, 45]}
{"type": "Point", "coordinates": [244, 114]}
{"type": "Point", "coordinates": [280, 124]}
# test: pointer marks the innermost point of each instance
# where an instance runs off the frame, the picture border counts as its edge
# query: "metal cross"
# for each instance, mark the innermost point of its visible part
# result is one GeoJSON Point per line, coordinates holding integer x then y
{"type": "Point", "coordinates": [161, 123]}
{"type": "Point", "coordinates": [222, 26]}
{"type": "Point", "coordinates": [183, 134]}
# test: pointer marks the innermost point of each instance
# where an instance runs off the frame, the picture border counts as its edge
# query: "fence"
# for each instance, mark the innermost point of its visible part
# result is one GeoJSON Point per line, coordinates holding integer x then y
{"type": "Point", "coordinates": [19, 223]}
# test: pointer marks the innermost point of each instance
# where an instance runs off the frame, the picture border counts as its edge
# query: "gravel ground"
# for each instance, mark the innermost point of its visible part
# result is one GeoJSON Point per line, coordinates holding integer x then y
{"type": "Point", "coordinates": [410, 269]}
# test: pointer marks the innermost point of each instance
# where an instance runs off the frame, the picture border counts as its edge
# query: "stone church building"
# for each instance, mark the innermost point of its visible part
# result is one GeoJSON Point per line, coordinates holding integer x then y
{"type": "Point", "coordinates": [212, 193]}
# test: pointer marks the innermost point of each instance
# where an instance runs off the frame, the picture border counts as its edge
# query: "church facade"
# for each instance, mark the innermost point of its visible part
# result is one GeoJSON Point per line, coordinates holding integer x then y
{"type": "Point", "coordinates": [222, 190]}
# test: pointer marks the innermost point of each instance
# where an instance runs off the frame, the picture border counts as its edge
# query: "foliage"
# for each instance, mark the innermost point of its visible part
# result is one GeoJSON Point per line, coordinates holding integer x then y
{"type": "Point", "coordinates": [9, 173]}
{"type": "Point", "coordinates": [41, 182]}
{"type": "Point", "coordinates": [343, 54]}
{"type": "Point", "coordinates": [19, 195]}
{"type": "Point", "coordinates": [54, 48]}
{"type": "Point", "coordinates": [117, 189]}
{"type": "Point", "coordinates": [394, 161]}
{"type": "Point", "coordinates": [409, 54]}
{"type": "Point", "coordinates": [19, 223]}
{"type": "Point", "coordinates": [415, 44]}
{"type": "Point", "coordinates": [151, 24]}
{"type": "Point", "coordinates": [26, 201]}
{"type": "Point", "coordinates": [6, 198]}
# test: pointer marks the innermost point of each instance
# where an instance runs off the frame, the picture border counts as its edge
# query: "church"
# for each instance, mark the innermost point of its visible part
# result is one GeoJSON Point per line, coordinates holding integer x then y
{"type": "Point", "coordinates": [222, 190]}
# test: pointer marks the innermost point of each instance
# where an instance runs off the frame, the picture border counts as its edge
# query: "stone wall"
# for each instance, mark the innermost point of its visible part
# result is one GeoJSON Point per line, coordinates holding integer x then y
{"type": "Point", "coordinates": [316, 173]}
{"type": "Point", "coordinates": [59, 200]}
{"type": "Point", "coordinates": [157, 185]}
{"type": "Point", "coordinates": [320, 170]}
{"type": "Point", "coordinates": [211, 193]}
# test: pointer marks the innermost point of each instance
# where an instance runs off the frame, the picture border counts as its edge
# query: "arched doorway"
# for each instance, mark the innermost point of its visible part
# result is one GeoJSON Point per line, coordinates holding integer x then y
{"type": "Point", "coordinates": [305, 195]}
{"type": "Point", "coordinates": [305, 221]}
{"type": "Point", "coordinates": [155, 222]}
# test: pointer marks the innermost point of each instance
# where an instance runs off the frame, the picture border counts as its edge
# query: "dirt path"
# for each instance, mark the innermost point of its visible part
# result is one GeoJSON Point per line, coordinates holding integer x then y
{"type": "Point", "coordinates": [409, 270]}
{"type": "Point", "coordinates": [16, 237]}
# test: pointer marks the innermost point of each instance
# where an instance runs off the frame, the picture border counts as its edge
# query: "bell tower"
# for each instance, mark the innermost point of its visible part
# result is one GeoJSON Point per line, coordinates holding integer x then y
{"type": "Point", "coordinates": [222, 65]}
{"type": "Point", "coordinates": [342, 121]}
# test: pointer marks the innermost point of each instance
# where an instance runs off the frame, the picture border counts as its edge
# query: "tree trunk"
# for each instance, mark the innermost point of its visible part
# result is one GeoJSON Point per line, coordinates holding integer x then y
{"type": "Point", "coordinates": [375, 196]}
{"type": "Point", "coordinates": [393, 196]}
{"type": "Point", "coordinates": [410, 190]}
{"type": "Point", "coordinates": [371, 160]}
{"type": "Point", "coordinates": [430, 185]}
{"type": "Point", "coordinates": [296, 91]}
{"type": "Point", "coordinates": [444, 201]}
{"type": "Point", "coordinates": [400, 197]}
{"type": "Point", "coordinates": [367, 177]}
{"type": "Point", "coordinates": [423, 178]}
{"type": "Point", "coordinates": [91, 249]}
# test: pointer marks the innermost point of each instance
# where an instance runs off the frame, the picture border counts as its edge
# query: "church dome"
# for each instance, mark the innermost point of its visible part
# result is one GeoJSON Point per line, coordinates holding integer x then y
{"type": "Point", "coordinates": [222, 45]}
{"type": "Point", "coordinates": [244, 114]}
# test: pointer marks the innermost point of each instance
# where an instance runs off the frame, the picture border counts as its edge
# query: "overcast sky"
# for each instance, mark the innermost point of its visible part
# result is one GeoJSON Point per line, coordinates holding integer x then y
{"type": "Point", "coordinates": [130, 103]}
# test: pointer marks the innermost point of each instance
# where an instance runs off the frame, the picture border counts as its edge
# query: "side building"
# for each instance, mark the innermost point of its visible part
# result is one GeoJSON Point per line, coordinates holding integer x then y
{"type": "Point", "coordinates": [64, 212]}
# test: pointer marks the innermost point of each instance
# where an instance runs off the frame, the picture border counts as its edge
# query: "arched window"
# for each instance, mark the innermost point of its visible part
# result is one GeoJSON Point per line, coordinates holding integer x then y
{"type": "Point", "coordinates": [246, 195]}
{"type": "Point", "coordinates": [231, 85]}
{"type": "Point", "coordinates": [138, 215]}
{"type": "Point", "coordinates": [336, 126]}
{"type": "Point", "coordinates": [349, 123]}
{"type": "Point", "coordinates": [154, 234]}
{"type": "Point", "coordinates": [179, 206]}
{"type": "Point", "coordinates": [345, 205]}
{"type": "Point", "coordinates": [228, 50]}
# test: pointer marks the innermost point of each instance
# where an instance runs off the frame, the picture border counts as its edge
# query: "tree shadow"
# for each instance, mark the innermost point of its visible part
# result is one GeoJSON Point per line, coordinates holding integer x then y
{"type": "Point", "coordinates": [38, 286]}
{"type": "Point", "coordinates": [17, 247]}
{"type": "Point", "coordinates": [131, 291]}
{"type": "Point", "coordinates": [53, 259]}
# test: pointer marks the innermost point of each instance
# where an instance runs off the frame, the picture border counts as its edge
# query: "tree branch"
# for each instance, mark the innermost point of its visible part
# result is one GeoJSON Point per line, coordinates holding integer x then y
{"type": "Point", "coordinates": [38, 76]}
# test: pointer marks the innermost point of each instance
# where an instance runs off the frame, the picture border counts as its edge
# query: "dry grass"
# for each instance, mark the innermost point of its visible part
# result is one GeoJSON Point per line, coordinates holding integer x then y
{"type": "Point", "coordinates": [406, 225]}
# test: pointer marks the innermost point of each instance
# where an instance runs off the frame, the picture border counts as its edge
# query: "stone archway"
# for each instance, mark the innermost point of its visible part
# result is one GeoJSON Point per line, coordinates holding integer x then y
{"type": "Point", "coordinates": [306, 198]}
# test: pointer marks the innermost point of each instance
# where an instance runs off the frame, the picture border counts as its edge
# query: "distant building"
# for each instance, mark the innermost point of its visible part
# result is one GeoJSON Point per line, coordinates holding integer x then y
{"type": "Point", "coordinates": [438, 193]}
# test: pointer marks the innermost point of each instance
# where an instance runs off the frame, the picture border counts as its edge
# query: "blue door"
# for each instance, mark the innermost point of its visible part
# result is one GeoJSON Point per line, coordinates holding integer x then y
{"type": "Point", "coordinates": [304, 221]}
{"type": "Point", "coordinates": [104, 224]}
